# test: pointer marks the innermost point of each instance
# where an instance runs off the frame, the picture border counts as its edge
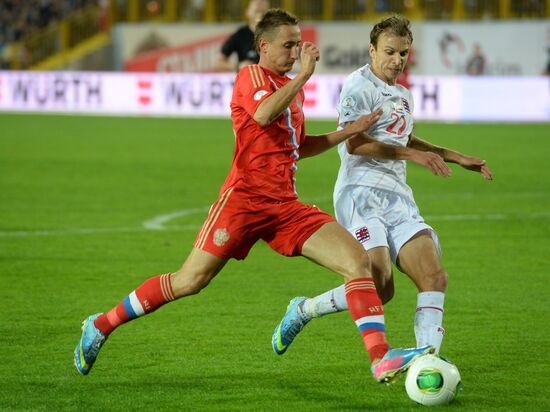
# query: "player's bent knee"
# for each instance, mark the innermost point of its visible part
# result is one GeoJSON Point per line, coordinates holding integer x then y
{"type": "Point", "coordinates": [359, 267]}
{"type": "Point", "coordinates": [436, 281]}
{"type": "Point", "coordinates": [189, 284]}
{"type": "Point", "coordinates": [441, 281]}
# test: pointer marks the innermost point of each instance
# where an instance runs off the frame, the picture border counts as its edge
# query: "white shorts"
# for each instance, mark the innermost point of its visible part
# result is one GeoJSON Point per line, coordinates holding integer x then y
{"type": "Point", "coordinates": [380, 218]}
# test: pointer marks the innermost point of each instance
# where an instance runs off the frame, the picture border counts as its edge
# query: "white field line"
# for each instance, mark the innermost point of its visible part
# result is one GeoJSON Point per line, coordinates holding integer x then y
{"type": "Point", "coordinates": [159, 223]}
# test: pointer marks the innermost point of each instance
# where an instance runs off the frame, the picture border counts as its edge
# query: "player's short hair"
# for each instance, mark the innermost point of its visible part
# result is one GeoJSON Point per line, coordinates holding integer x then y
{"type": "Point", "coordinates": [270, 22]}
{"type": "Point", "coordinates": [395, 24]}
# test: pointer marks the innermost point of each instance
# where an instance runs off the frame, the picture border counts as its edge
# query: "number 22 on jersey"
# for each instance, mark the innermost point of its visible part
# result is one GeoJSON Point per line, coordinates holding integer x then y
{"type": "Point", "coordinates": [399, 124]}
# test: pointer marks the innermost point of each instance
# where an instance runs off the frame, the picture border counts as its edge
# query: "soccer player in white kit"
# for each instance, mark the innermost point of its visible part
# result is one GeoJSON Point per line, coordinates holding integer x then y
{"type": "Point", "coordinates": [372, 199]}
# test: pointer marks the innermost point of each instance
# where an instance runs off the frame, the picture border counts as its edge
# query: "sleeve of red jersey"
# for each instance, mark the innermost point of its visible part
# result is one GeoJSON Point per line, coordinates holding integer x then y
{"type": "Point", "coordinates": [253, 87]}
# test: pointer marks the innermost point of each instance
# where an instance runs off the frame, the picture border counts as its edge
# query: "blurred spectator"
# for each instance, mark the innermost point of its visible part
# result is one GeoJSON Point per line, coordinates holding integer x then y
{"type": "Point", "coordinates": [242, 41]}
{"type": "Point", "coordinates": [194, 10]}
{"type": "Point", "coordinates": [476, 64]}
{"type": "Point", "coordinates": [20, 17]}
{"type": "Point", "coordinates": [382, 6]}
{"type": "Point", "coordinates": [4, 64]}
{"type": "Point", "coordinates": [528, 8]}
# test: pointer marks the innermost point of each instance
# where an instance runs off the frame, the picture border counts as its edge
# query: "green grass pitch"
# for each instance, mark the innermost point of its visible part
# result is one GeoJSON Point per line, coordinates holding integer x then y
{"type": "Point", "coordinates": [75, 193]}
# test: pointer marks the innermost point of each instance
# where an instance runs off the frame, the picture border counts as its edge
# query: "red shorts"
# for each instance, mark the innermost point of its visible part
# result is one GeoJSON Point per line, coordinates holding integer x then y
{"type": "Point", "coordinates": [238, 220]}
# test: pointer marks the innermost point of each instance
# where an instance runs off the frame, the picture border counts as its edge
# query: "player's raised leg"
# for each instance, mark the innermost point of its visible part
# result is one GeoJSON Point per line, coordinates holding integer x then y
{"type": "Point", "coordinates": [334, 248]}
{"type": "Point", "coordinates": [419, 259]}
{"type": "Point", "coordinates": [197, 271]}
{"type": "Point", "coordinates": [302, 309]}
{"type": "Point", "coordinates": [292, 323]}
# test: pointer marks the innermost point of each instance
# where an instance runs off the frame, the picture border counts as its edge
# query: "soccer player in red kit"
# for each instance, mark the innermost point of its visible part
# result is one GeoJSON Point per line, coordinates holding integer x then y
{"type": "Point", "coordinates": [258, 201]}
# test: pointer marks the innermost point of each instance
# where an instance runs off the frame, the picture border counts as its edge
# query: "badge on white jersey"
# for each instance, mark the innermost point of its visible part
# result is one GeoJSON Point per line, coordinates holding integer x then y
{"type": "Point", "coordinates": [348, 102]}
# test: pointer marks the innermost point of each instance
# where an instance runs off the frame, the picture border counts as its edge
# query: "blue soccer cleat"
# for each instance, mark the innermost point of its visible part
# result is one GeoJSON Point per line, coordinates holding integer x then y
{"type": "Point", "coordinates": [289, 327]}
{"type": "Point", "coordinates": [88, 346]}
{"type": "Point", "coordinates": [397, 361]}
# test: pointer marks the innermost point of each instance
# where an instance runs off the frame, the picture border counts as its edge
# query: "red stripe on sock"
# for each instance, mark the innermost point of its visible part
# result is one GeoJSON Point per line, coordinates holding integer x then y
{"type": "Point", "coordinates": [166, 285]}
{"type": "Point", "coordinates": [429, 307]}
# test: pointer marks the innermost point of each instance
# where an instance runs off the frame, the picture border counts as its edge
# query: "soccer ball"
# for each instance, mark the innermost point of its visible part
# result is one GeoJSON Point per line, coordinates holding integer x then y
{"type": "Point", "coordinates": [432, 380]}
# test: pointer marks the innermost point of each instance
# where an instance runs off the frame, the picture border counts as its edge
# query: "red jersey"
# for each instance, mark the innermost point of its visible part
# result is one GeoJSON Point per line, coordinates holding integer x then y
{"type": "Point", "coordinates": [403, 78]}
{"type": "Point", "coordinates": [265, 157]}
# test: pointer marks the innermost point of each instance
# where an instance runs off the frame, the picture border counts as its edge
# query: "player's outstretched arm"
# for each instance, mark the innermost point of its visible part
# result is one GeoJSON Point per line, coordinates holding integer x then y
{"type": "Point", "coordinates": [475, 164]}
{"type": "Point", "coordinates": [468, 162]}
{"type": "Point", "coordinates": [368, 146]}
{"type": "Point", "coordinates": [316, 144]}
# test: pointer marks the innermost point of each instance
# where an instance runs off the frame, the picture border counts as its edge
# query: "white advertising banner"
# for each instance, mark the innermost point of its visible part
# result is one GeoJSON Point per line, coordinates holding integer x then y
{"type": "Point", "coordinates": [440, 98]}
{"type": "Point", "coordinates": [508, 48]}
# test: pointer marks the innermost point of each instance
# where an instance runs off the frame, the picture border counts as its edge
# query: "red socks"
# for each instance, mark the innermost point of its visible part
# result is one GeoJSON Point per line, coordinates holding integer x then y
{"type": "Point", "coordinates": [364, 305]}
{"type": "Point", "coordinates": [366, 310]}
{"type": "Point", "coordinates": [151, 295]}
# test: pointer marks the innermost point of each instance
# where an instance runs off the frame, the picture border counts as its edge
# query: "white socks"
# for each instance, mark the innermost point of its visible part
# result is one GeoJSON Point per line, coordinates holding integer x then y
{"type": "Point", "coordinates": [329, 302]}
{"type": "Point", "coordinates": [428, 319]}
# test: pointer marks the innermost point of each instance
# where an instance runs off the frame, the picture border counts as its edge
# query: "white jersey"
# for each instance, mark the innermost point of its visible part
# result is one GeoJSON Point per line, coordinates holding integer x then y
{"type": "Point", "coordinates": [363, 93]}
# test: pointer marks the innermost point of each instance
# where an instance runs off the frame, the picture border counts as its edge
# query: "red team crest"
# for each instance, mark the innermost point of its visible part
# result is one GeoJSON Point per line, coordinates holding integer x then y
{"type": "Point", "coordinates": [362, 234]}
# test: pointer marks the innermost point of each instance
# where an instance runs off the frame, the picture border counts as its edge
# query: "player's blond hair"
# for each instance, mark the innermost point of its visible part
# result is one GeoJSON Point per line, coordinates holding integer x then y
{"type": "Point", "coordinates": [270, 22]}
{"type": "Point", "coordinates": [395, 24]}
